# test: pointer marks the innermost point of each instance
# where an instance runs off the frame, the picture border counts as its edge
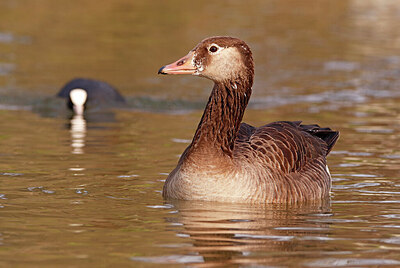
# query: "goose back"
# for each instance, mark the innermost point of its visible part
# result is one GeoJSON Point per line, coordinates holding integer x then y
{"type": "Point", "coordinates": [286, 160]}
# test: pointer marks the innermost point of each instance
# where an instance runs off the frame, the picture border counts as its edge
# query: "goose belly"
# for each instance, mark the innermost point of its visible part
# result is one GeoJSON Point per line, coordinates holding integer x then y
{"type": "Point", "coordinates": [247, 184]}
{"type": "Point", "coordinates": [208, 186]}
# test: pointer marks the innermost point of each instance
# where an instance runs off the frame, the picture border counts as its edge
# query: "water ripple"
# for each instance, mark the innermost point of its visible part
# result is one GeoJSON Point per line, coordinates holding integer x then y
{"type": "Point", "coordinates": [6, 68]}
{"type": "Point", "coordinates": [348, 165]}
{"type": "Point", "coordinates": [170, 259]}
{"type": "Point", "coordinates": [354, 262]}
{"type": "Point", "coordinates": [392, 240]}
{"type": "Point", "coordinates": [269, 237]}
{"type": "Point", "coordinates": [375, 130]}
{"type": "Point", "coordinates": [391, 156]}
{"type": "Point", "coordinates": [168, 206]}
{"type": "Point", "coordinates": [40, 189]}
{"type": "Point", "coordinates": [392, 216]}
{"type": "Point", "coordinates": [181, 140]}
{"type": "Point", "coordinates": [302, 228]}
{"type": "Point", "coordinates": [366, 201]}
{"type": "Point", "coordinates": [355, 185]}
{"type": "Point", "coordinates": [11, 174]}
{"type": "Point", "coordinates": [346, 66]}
{"type": "Point", "coordinates": [128, 176]}
{"type": "Point", "coordinates": [7, 38]}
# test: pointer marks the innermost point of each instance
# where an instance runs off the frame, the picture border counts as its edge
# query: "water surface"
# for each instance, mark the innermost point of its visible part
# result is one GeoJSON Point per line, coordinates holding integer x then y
{"type": "Point", "coordinates": [81, 192]}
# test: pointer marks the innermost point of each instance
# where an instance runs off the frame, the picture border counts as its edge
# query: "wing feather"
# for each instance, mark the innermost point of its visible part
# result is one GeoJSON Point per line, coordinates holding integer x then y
{"type": "Point", "coordinates": [292, 145]}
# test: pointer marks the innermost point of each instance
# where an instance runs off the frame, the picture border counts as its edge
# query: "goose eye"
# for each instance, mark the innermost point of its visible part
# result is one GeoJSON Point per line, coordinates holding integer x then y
{"type": "Point", "coordinates": [213, 49]}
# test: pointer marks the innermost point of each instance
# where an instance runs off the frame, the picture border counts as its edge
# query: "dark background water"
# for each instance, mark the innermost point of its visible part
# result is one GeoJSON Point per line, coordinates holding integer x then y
{"type": "Point", "coordinates": [86, 192]}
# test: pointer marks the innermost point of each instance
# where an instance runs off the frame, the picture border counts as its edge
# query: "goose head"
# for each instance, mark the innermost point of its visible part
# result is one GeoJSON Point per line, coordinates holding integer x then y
{"type": "Point", "coordinates": [219, 58]}
{"type": "Point", "coordinates": [78, 97]}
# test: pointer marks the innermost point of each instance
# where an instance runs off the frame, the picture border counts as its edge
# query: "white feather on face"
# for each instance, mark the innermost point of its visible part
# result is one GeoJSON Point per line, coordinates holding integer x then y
{"type": "Point", "coordinates": [198, 64]}
{"type": "Point", "coordinates": [223, 64]}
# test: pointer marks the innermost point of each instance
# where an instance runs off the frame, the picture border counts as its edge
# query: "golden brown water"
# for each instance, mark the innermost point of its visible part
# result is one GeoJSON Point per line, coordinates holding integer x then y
{"type": "Point", "coordinates": [86, 192]}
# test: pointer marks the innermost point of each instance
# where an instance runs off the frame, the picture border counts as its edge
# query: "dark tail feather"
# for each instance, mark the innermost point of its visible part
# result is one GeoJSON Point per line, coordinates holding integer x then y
{"type": "Point", "coordinates": [326, 134]}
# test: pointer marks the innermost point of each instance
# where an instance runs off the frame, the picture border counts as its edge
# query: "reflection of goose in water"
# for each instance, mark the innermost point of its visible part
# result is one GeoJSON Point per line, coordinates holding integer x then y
{"type": "Point", "coordinates": [232, 161]}
{"type": "Point", "coordinates": [99, 94]}
{"type": "Point", "coordinates": [232, 234]}
{"type": "Point", "coordinates": [228, 233]}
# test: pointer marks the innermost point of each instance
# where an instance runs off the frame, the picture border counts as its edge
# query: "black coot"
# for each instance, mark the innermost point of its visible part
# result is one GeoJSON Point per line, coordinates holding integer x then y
{"type": "Point", "coordinates": [99, 94]}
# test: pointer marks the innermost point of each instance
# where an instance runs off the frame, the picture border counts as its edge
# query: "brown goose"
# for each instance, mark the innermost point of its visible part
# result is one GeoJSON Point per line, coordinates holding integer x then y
{"type": "Point", "coordinates": [230, 161]}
